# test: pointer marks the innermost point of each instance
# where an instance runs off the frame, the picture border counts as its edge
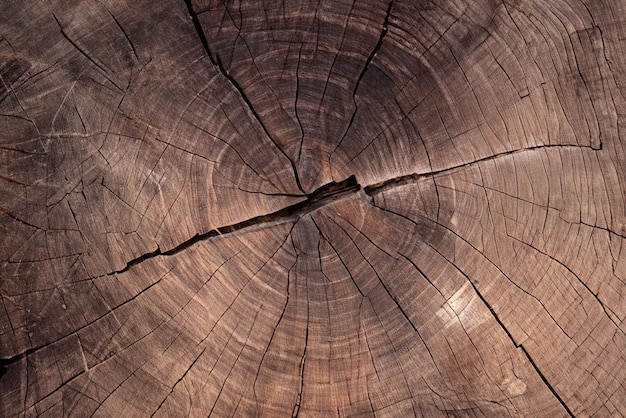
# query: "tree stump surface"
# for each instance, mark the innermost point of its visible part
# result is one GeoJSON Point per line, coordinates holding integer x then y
{"type": "Point", "coordinates": [326, 208]}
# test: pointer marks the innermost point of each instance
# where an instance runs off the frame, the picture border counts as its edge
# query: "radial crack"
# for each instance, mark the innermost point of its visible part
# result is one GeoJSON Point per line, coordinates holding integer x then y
{"type": "Point", "coordinates": [296, 408]}
{"type": "Point", "coordinates": [382, 186]}
{"type": "Point", "coordinates": [545, 381]}
{"type": "Point", "coordinates": [328, 193]}
{"type": "Point", "coordinates": [248, 102]}
{"type": "Point", "coordinates": [199, 31]}
{"type": "Point", "coordinates": [383, 32]}
{"type": "Point", "coordinates": [497, 318]}
{"type": "Point", "coordinates": [215, 60]}
{"type": "Point", "coordinates": [179, 380]}
{"type": "Point", "coordinates": [84, 53]}
{"type": "Point", "coordinates": [371, 56]}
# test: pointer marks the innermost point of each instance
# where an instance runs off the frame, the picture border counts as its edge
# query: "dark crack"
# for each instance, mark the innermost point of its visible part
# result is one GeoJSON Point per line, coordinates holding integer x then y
{"type": "Point", "coordinates": [497, 318]}
{"type": "Point", "coordinates": [298, 405]}
{"type": "Point", "coordinates": [84, 53]}
{"type": "Point", "coordinates": [179, 380]}
{"type": "Point", "coordinates": [377, 188]}
{"type": "Point", "coordinates": [369, 60]}
{"type": "Point", "coordinates": [389, 293]}
{"type": "Point", "coordinates": [546, 382]}
{"type": "Point", "coordinates": [215, 60]}
{"type": "Point", "coordinates": [248, 102]}
{"type": "Point", "coordinates": [320, 197]}
{"type": "Point", "coordinates": [323, 196]}
{"type": "Point", "coordinates": [199, 31]}
{"type": "Point", "coordinates": [6, 362]}
{"type": "Point", "coordinates": [520, 346]}
{"type": "Point", "coordinates": [130, 42]}
{"type": "Point", "coordinates": [295, 105]}
{"type": "Point", "coordinates": [383, 32]}
{"type": "Point", "coordinates": [280, 318]}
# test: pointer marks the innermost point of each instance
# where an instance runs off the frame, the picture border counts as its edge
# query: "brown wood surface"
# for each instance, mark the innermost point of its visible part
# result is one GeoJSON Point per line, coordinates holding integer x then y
{"type": "Point", "coordinates": [312, 208]}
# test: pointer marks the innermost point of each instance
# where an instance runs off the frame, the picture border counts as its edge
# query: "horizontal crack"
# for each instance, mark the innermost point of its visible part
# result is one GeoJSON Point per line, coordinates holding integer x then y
{"type": "Point", "coordinates": [376, 188]}
{"type": "Point", "coordinates": [322, 196]}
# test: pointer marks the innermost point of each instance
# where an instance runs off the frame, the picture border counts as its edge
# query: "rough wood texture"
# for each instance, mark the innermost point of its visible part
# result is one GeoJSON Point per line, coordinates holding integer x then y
{"type": "Point", "coordinates": [326, 208]}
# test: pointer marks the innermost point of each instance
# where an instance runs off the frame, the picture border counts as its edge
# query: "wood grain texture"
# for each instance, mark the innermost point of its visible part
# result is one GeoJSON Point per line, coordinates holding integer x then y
{"type": "Point", "coordinates": [329, 208]}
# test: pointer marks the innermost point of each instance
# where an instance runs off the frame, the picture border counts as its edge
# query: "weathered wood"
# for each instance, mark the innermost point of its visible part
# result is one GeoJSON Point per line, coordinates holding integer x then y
{"type": "Point", "coordinates": [321, 208]}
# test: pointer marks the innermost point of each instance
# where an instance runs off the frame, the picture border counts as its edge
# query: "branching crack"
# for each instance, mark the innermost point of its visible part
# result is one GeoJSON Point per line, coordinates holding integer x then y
{"type": "Point", "coordinates": [215, 60]}
{"type": "Point", "coordinates": [323, 196]}
{"type": "Point", "coordinates": [377, 47]}
{"type": "Point", "coordinates": [501, 323]}
{"type": "Point", "coordinates": [84, 53]}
